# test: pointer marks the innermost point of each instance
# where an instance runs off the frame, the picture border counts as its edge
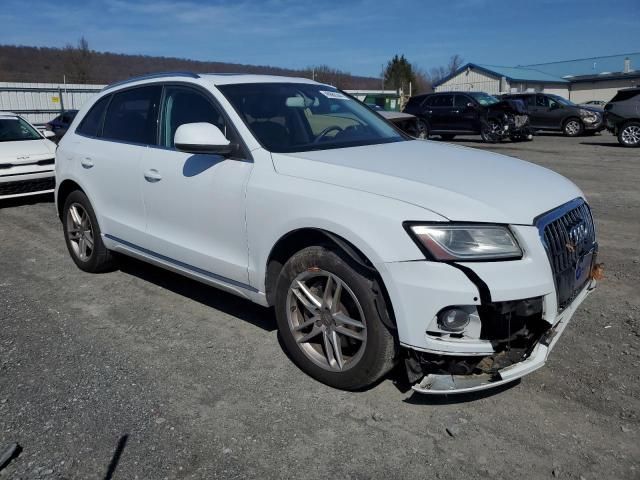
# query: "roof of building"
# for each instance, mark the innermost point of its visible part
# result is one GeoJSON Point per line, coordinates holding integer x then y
{"type": "Point", "coordinates": [511, 73]}
{"type": "Point", "coordinates": [589, 66]}
{"type": "Point", "coordinates": [583, 69]}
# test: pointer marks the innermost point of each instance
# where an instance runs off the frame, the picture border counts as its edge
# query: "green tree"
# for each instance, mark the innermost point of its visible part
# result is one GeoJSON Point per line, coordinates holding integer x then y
{"type": "Point", "coordinates": [399, 73]}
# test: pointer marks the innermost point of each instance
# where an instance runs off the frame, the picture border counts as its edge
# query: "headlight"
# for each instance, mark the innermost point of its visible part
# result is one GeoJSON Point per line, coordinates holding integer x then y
{"type": "Point", "coordinates": [589, 116]}
{"type": "Point", "coordinates": [466, 242]}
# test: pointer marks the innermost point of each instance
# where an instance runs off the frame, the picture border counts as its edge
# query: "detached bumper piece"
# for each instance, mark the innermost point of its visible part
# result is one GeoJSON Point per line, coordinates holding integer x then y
{"type": "Point", "coordinates": [27, 186]}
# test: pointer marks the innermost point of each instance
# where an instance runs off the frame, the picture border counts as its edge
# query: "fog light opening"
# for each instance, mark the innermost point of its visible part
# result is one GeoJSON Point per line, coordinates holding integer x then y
{"type": "Point", "coordinates": [453, 319]}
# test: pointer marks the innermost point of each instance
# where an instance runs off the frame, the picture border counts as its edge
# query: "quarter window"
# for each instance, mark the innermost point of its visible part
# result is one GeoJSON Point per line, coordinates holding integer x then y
{"type": "Point", "coordinates": [92, 121]}
{"type": "Point", "coordinates": [132, 115]}
{"type": "Point", "coordinates": [185, 105]}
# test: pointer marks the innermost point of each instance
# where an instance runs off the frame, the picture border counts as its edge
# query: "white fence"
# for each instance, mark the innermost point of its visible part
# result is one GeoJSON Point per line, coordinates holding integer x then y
{"type": "Point", "coordinates": [40, 102]}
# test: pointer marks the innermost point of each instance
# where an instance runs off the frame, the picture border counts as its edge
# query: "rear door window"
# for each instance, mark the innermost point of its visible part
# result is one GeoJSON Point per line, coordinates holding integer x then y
{"type": "Point", "coordinates": [623, 95]}
{"type": "Point", "coordinates": [132, 116]}
{"type": "Point", "coordinates": [91, 124]}
{"type": "Point", "coordinates": [443, 101]}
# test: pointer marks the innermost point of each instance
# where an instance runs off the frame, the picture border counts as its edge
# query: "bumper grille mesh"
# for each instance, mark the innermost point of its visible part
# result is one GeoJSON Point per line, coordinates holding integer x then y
{"type": "Point", "coordinates": [27, 186]}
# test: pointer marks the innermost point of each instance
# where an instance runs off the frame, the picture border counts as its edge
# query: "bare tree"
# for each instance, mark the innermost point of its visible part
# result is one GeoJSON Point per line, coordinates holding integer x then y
{"type": "Point", "coordinates": [78, 60]}
{"type": "Point", "coordinates": [438, 73]}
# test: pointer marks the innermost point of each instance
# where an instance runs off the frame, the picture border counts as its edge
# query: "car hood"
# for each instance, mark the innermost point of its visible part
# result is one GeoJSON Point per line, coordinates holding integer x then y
{"type": "Point", "coordinates": [34, 149]}
{"type": "Point", "coordinates": [458, 183]}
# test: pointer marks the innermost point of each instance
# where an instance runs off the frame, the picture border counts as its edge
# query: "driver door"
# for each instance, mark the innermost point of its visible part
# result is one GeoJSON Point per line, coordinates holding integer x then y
{"type": "Point", "coordinates": [195, 203]}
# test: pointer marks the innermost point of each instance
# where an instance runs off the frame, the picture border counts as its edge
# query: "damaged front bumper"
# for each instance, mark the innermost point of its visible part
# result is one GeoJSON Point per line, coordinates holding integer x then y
{"type": "Point", "coordinates": [531, 359]}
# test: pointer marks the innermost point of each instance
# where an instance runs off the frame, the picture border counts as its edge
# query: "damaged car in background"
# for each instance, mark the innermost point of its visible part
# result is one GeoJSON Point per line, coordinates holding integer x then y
{"type": "Point", "coordinates": [374, 248]}
{"type": "Point", "coordinates": [448, 114]}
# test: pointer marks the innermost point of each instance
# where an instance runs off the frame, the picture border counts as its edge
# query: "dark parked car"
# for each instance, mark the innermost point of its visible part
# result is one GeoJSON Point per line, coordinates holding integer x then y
{"type": "Point", "coordinates": [553, 112]}
{"type": "Point", "coordinates": [448, 114]}
{"type": "Point", "coordinates": [60, 124]}
{"type": "Point", "coordinates": [622, 116]}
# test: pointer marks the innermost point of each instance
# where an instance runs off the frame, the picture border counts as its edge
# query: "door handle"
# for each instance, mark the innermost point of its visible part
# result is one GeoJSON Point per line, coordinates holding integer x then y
{"type": "Point", "coordinates": [152, 176]}
{"type": "Point", "coordinates": [430, 112]}
{"type": "Point", "coordinates": [456, 111]}
{"type": "Point", "coordinates": [86, 162]}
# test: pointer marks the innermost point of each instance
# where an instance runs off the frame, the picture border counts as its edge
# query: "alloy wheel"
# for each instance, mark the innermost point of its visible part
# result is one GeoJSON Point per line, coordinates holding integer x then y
{"type": "Point", "coordinates": [80, 232]}
{"type": "Point", "coordinates": [572, 127]}
{"type": "Point", "coordinates": [326, 320]}
{"type": "Point", "coordinates": [631, 135]}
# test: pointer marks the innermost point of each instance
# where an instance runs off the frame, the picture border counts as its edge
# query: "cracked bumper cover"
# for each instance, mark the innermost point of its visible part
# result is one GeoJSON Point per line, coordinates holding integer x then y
{"type": "Point", "coordinates": [455, 384]}
{"type": "Point", "coordinates": [419, 290]}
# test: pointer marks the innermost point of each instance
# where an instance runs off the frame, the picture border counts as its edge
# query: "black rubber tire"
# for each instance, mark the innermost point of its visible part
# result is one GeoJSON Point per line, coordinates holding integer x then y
{"type": "Point", "coordinates": [486, 136]}
{"type": "Point", "coordinates": [621, 130]}
{"type": "Point", "coordinates": [422, 129]}
{"type": "Point", "coordinates": [101, 259]}
{"type": "Point", "coordinates": [580, 130]}
{"type": "Point", "coordinates": [381, 348]}
{"type": "Point", "coordinates": [447, 136]}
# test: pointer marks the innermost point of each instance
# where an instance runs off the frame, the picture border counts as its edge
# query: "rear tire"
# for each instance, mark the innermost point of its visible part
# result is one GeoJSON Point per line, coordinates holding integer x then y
{"type": "Point", "coordinates": [573, 127]}
{"type": "Point", "coordinates": [82, 235]}
{"type": "Point", "coordinates": [329, 322]}
{"type": "Point", "coordinates": [422, 129]}
{"type": "Point", "coordinates": [629, 135]}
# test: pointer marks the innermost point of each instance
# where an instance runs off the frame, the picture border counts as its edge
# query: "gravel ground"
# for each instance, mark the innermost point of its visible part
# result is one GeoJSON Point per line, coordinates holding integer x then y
{"type": "Point", "coordinates": [149, 375]}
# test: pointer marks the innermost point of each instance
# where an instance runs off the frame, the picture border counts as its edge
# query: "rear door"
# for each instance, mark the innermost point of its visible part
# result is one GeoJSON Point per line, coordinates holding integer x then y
{"type": "Point", "coordinates": [195, 203]}
{"type": "Point", "coordinates": [109, 160]}
{"type": "Point", "coordinates": [440, 112]}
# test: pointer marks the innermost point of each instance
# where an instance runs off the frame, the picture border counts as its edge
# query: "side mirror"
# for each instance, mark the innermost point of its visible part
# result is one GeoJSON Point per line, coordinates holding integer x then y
{"type": "Point", "coordinates": [48, 134]}
{"type": "Point", "coordinates": [555, 106]}
{"type": "Point", "coordinates": [202, 138]}
{"type": "Point", "coordinates": [470, 105]}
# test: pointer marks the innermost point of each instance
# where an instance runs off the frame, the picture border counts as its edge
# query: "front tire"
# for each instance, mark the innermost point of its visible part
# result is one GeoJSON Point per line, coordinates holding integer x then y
{"type": "Point", "coordinates": [491, 131]}
{"type": "Point", "coordinates": [629, 135]}
{"type": "Point", "coordinates": [82, 235]}
{"type": "Point", "coordinates": [573, 127]}
{"type": "Point", "coordinates": [329, 322]}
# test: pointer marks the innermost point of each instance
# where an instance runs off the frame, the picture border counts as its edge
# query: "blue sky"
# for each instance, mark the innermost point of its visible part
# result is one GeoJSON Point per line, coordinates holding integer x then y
{"type": "Point", "coordinates": [356, 36]}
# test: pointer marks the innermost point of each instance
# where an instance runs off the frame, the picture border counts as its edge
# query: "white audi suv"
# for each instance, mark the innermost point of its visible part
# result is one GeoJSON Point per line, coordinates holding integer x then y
{"type": "Point", "coordinates": [374, 248]}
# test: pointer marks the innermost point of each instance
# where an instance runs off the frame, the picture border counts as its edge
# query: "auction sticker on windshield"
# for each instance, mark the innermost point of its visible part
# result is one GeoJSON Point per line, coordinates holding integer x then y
{"type": "Point", "coordinates": [334, 95]}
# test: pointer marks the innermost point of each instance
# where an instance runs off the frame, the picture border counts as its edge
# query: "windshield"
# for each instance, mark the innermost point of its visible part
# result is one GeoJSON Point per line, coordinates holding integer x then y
{"type": "Point", "coordinates": [562, 100]}
{"type": "Point", "coordinates": [298, 117]}
{"type": "Point", "coordinates": [484, 98]}
{"type": "Point", "coordinates": [15, 129]}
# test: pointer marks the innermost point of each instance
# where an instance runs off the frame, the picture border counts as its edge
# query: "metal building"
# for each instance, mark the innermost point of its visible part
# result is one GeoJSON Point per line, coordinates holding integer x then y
{"type": "Point", "coordinates": [40, 102]}
{"type": "Point", "coordinates": [597, 78]}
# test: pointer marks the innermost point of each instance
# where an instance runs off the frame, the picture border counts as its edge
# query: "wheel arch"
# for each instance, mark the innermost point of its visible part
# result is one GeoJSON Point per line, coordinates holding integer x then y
{"type": "Point", "coordinates": [296, 240]}
{"type": "Point", "coordinates": [64, 190]}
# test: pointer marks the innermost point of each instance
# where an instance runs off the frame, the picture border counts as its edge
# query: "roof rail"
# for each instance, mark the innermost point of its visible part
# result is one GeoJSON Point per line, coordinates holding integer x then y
{"type": "Point", "coordinates": [151, 75]}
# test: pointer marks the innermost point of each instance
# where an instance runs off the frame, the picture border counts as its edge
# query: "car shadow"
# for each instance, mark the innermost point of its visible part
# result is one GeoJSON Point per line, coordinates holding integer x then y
{"type": "Point", "coordinates": [211, 297]}
{"type": "Point", "coordinates": [603, 144]}
{"type": "Point", "coordinates": [28, 200]}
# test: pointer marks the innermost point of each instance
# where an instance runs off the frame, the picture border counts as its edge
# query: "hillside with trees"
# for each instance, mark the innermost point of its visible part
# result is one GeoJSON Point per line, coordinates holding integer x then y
{"type": "Point", "coordinates": [79, 64]}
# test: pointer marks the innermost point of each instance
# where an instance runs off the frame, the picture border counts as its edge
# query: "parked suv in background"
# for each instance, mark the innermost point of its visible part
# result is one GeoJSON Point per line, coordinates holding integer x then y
{"type": "Point", "coordinates": [449, 114]}
{"type": "Point", "coordinates": [60, 124]}
{"type": "Point", "coordinates": [622, 116]}
{"type": "Point", "coordinates": [374, 248]}
{"type": "Point", "coordinates": [553, 112]}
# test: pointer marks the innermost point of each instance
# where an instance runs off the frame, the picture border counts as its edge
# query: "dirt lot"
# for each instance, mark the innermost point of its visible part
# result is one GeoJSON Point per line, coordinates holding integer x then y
{"type": "Point", "coordinates": [159, 377]}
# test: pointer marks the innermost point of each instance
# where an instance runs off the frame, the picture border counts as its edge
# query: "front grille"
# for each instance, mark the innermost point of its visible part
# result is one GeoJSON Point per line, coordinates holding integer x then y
{"type": "Point", "coordinates": [27, 186]}
{"type": "Point", "coordinates": [569, 238]}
